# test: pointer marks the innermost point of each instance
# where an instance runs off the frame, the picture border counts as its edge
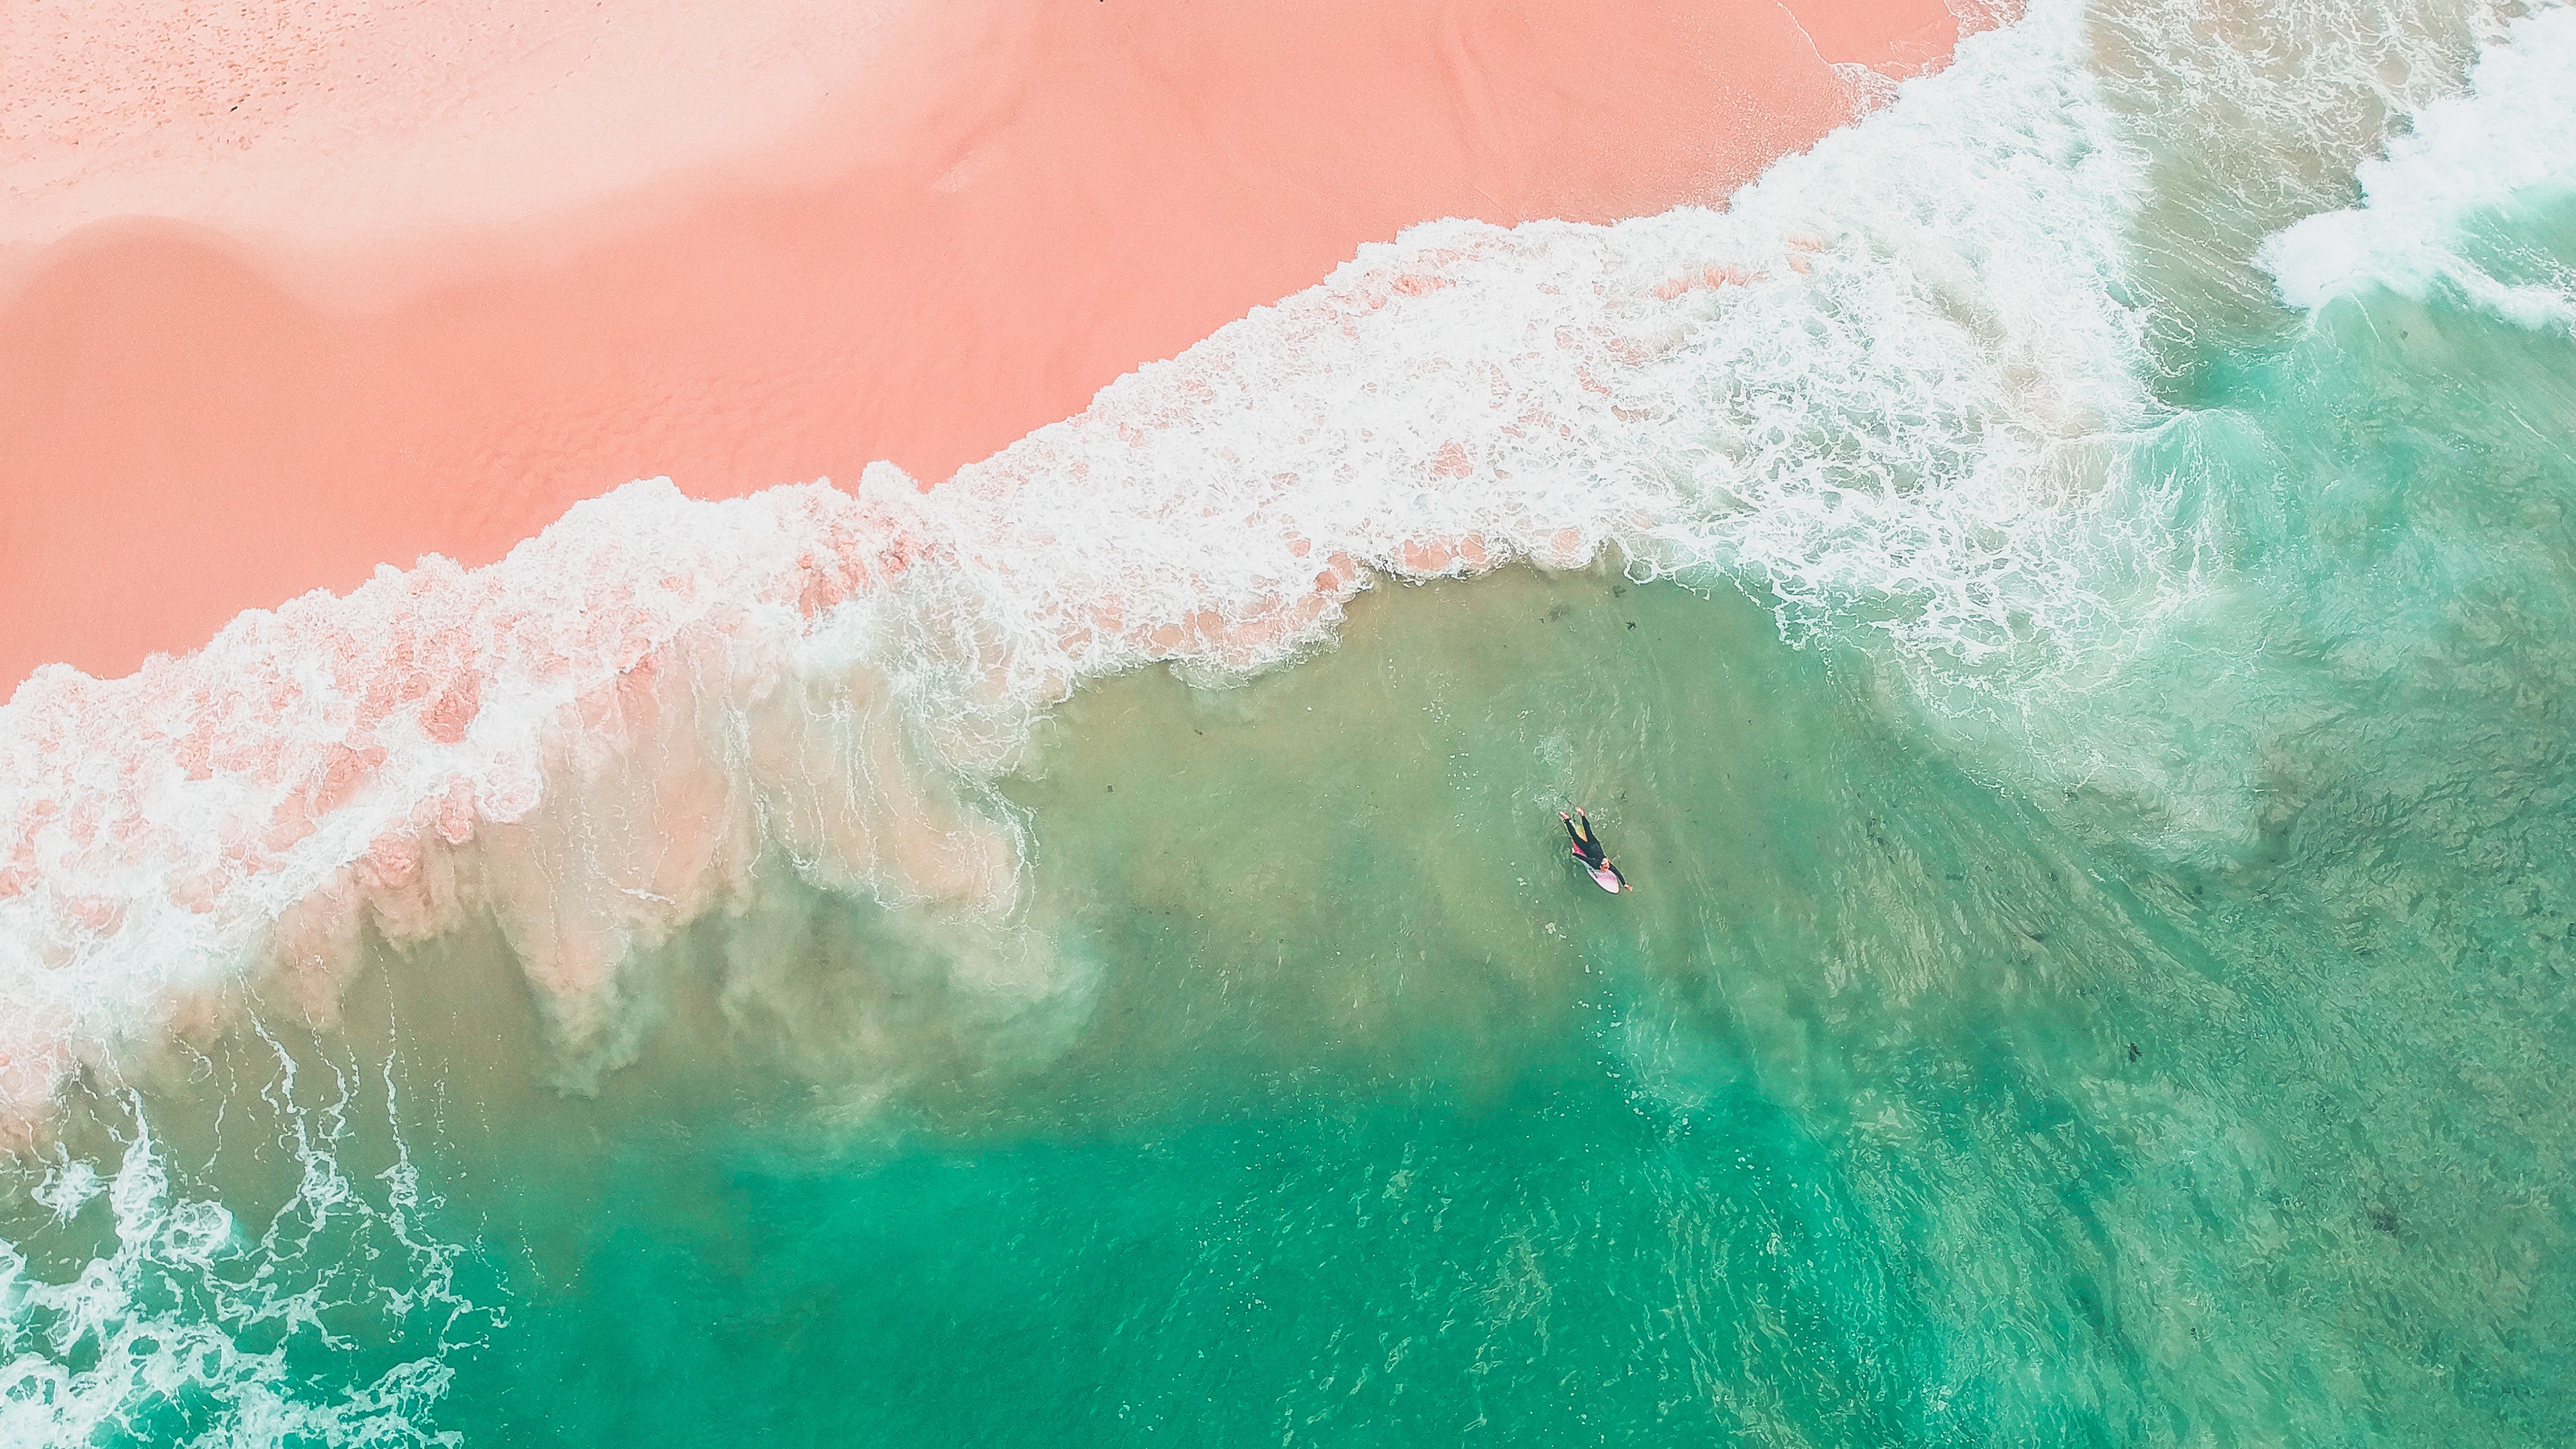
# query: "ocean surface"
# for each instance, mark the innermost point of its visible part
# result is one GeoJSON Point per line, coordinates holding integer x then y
{"type": "Point", "coordinates": [2061, 598]}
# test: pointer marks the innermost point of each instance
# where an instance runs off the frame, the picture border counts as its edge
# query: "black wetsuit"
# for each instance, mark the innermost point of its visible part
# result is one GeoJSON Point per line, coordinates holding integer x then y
{"type": "Point", "coordinates": [1587, 846]}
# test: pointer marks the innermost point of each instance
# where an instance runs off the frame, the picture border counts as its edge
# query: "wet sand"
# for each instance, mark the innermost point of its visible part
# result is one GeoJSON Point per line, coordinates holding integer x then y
{"type": "Point", "coordinates": [929, 236]}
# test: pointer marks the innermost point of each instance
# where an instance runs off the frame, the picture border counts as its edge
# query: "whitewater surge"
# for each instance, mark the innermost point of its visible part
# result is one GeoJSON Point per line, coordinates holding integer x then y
{"type": "Point", "coordinates": [2511, 139]}
{"type": "Point", "coordinates": [206, 1316]}
{"type": "Point", "coordinates": [1891, 389]}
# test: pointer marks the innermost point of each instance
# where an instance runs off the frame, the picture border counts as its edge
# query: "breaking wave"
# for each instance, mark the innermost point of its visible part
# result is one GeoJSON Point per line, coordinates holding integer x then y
{"type": "Point", "coordinates": [2511, 139]}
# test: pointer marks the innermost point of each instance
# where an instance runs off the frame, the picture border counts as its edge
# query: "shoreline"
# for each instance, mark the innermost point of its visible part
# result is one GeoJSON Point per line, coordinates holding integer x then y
{"type": "Point", "coordinates": [1058, 199]}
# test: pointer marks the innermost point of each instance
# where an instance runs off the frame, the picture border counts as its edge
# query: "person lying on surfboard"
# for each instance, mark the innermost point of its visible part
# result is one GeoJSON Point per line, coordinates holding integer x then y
{"type": "Point", "coordinates": [1587, 849]}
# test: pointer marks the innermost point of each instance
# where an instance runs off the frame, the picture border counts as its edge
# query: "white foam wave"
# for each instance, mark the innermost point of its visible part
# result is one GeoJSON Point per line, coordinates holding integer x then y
{"type": "Point", "coordinates": [188, 1320]}
{"type": "Point", "coordinates": [2511, 137]}
{"type": "Point", "coordinates": [1868, 88]}
{"type": "Point", "coordinates": [1886, 386]}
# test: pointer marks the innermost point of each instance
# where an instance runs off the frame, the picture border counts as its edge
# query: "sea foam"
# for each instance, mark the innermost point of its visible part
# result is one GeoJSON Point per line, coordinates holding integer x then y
{"type": "Point", "coordinates": [2511, 138]}
{"type": "Point", "coordinates": [227, 1319]}
{"type": "Point", "coordinates": [1885, 389]}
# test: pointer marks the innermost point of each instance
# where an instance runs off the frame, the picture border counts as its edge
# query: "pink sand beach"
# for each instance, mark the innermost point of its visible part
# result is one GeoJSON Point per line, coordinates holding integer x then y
{"type": "Point", "coordinates": [293, 293]}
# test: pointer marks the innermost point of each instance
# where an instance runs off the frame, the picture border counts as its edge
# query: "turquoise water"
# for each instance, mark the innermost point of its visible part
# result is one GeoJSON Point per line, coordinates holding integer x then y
{"type": "Point", "coordinates": [2177, 1052]}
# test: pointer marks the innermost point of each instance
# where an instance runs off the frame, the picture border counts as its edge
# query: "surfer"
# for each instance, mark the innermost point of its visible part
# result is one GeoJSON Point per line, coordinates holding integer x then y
{"type": "Point", "coordinates": [1587, 849]}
